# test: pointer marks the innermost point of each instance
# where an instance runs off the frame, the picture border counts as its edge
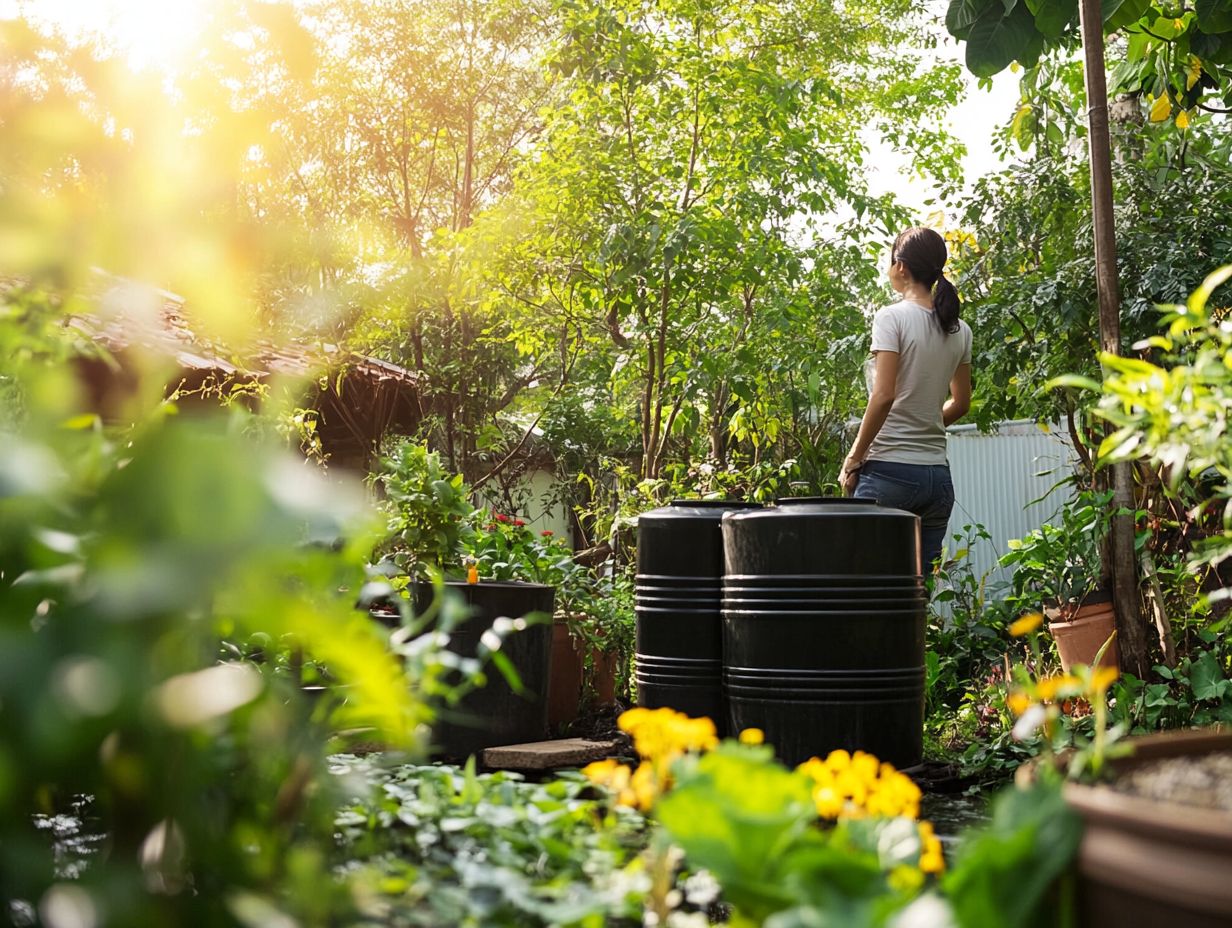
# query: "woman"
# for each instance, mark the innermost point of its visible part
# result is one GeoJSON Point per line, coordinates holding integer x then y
{"type": "Point", "coordinates": [921, 384]}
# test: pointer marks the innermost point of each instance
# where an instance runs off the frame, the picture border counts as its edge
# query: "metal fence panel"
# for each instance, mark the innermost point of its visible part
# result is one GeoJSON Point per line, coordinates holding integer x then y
{"type": "Point", "coordinates": [1010, 481]}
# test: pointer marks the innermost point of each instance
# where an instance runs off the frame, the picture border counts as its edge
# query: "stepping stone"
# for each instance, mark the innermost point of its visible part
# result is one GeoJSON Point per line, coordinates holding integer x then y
{"type": "Point", "coordinates": [547, 755]}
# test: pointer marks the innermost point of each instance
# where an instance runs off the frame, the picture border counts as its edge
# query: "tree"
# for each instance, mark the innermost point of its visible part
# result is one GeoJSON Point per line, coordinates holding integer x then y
{"type": "Point", "coordinates": [679, 187]}
{"type": "Point", "coordinates": [998, 34]}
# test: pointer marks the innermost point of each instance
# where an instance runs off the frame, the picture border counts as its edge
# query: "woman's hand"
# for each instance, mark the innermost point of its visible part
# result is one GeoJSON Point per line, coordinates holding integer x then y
{"type": "Point", "coordinates": [849, 476]}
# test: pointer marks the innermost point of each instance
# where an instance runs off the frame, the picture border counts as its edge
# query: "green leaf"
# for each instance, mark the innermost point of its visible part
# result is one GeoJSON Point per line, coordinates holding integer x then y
{"type": "Point", "coordinates": [1054, 17]}
{"type": "Point", "coordinates": [1121, 13]}
{"type": "Point", "coordinates": [1214, 15]}
{"type": "Point", "coordinates": [1077, 381]}
{"type": "Point", "coordinates": [963, 14]}
{"type": "Point", "coordinates": [999, 38]}
{"type": "Point", "coordinates": [1206, 678]}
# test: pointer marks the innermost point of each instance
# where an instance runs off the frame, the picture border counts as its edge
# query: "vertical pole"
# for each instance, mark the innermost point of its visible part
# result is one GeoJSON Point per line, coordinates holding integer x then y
{"type": "Point", "coordinates": [1131, 632]}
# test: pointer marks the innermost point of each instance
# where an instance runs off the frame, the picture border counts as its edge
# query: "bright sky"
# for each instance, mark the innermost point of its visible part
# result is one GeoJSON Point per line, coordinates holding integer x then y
{"type": "Point", "coordinates": [151, 32]}
{"type": "Point", "coordinates": [156, 32]}
{"type": "Point", "coordinates": [972, 121]}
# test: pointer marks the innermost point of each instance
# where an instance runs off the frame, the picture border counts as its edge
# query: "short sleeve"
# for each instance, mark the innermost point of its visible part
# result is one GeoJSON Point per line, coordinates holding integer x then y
{"type": "Point", "coordinates": [886, 334]}
{"type": "Point", "coordinates": [966, 335]}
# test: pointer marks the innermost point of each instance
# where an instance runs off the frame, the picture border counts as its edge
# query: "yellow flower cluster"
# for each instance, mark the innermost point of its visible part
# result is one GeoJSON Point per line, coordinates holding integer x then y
{"type": "Point", "coordinates": [660, 736]}
{"type": "Point", "coordinates": [858, 785]}
{"type": "Point", "coordinates": [637, 789]}
{"type": "Point", "coordinates": [931, 858]}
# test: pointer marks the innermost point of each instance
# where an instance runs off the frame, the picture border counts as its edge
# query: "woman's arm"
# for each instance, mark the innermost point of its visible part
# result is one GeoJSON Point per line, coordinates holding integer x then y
{"type": "Point", "coordinates": [960, 396]}
{"type": "Point", "coordinates": [885, 385]}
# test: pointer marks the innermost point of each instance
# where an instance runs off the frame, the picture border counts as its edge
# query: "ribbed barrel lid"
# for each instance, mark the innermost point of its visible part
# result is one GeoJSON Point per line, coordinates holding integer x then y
{"type": "Point", "coordinates": [822, 537]}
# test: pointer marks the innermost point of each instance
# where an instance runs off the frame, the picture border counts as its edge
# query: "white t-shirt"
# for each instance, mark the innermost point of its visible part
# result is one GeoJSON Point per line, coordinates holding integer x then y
{"type": "Point", "coordinates": [914, 432]}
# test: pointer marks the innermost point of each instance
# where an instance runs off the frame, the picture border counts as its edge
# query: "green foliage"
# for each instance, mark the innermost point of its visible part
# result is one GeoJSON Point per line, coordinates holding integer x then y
{"type": "Point", "coordinates": [1171, 415]}
{"type": "Point", "coordinates": [506, 548]}
{"type": "Point", "coordinates": [1196, 693]}
{"type": "Point", "coordinates": [1059, 563]}
{"type": "Point", "coordinates": [440, 847]}
{"type": "Point", "coordinates": [966, 647]}
{"type": "Point", "coordinates": [429, 510]}
{"type": "Point", "coordinates": [1178, 56]}
{"type": "Point", "coordinates": [118, 583]}
{"type": "Point", "coordinates": [1005, 873]}
{"type": "Point", "coordinates": [750, 822]}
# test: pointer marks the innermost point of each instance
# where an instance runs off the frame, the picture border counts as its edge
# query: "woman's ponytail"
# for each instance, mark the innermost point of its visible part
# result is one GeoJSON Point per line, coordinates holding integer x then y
{"type": "Point", "coordinates": [946, 305]}
{"type": "Point", "coordinates": [924, 254]}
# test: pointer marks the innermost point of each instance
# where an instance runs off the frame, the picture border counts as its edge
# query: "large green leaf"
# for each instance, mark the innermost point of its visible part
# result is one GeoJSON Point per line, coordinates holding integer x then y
{"type": "Point", "coordinates": [1120, 13]}
{"type": "Point", "coordinates": [1053, 17]}
{"type": "Point", "coordinates": [1214, 15]}
{"type": "Point", "coordinates": [963, 14]}
{"type": "Point", "coordinates": [1206, 678]}
{"type": "Point", "coordinates": [998, 38]}
{"type": "Point", "coordinates": [1212, 48]}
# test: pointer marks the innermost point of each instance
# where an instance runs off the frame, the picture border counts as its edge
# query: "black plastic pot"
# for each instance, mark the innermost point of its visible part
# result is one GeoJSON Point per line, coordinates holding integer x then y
{"type": "Point", "coordinates": [823, 628]}
{"type": "Point", "coordinates": [679, 661]}
{"type": "Point", "coordinates": [494, 714]}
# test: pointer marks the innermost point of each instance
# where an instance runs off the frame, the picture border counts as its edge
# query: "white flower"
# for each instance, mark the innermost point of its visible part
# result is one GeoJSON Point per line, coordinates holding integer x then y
{"type": "Point", "coordinates": [701, 888]}
{"type": "Point", "coordinates": [1028, 722]}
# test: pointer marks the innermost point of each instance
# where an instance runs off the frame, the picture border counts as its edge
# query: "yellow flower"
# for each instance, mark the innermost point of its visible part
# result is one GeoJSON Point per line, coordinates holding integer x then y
{"type": "Point", "coordinates": [864, 766]}
{"type": "Point", "coordinates": [643, 788]}
{"type": "Point", "coordinates": [1182, 119]}
{"type": "Point", "coordinates": [838, 759]}
{"type": "Point", "coordinates": [931, 858]}
{"type": "Point", "coordinates": [904, 878]}
{"type": "Point", "coordinates": [1102, 678]}
{"type": "Point", "coordinates": [829, 801]}
{"type": "Point", "coordinates": [855, 786]}
{"type": "Point", "coordinates": [752, 736]}
{"type": "Point", "coordinates": [1049, 688]}
{"type": "Point", "coordinates": [662, 735]}
{"type": "Point", "coordinates": [1027, 624]}
{"type": "Point", "coordinates": [1018, 702]}
{"type": "Point", "coordinates": [607, 773]}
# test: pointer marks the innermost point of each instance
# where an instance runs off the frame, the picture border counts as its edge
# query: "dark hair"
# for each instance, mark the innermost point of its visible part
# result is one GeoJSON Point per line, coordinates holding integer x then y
{"type": "Point", "coordinates": [923, 252]}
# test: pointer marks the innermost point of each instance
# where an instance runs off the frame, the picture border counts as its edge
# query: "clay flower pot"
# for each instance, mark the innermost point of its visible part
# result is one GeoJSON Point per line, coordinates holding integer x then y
{"type": "Point", "coordinates": [1081, 629]}
{"type": "Point", "coordinates": [1151, 863]}
{"type": "Point", "coordinates": [566, 687]}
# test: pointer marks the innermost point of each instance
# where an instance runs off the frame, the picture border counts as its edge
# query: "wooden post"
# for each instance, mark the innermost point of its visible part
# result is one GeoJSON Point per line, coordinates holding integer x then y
{"type": "Point", "coordinates": [1131, 630]}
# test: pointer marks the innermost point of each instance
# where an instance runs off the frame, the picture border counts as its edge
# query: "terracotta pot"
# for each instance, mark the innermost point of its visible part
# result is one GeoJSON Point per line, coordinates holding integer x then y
{"type": "Point", "coordinates": [1152, 864]}
{"type": "Point", "coordinates": [1080, 632]}
{"type": "Point", "coordinates": [565, 686]}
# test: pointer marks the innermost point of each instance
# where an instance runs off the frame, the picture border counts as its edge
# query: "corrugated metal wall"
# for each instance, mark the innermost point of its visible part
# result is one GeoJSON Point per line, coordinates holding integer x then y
{"type": "Point", "coordinates": [997, 476]}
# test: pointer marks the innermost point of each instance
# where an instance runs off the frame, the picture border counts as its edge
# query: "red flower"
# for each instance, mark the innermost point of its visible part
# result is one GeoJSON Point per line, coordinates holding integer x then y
{"type": "Point", "coordinates": [546, 533]}
{"type": "Point", "coordinates": [501, 517]}
{"type": "Point", "coordinates": [518, 523]}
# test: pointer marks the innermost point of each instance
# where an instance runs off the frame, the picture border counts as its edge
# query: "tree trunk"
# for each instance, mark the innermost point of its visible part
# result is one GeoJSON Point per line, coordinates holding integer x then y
{"type": "Point", "coordinates": [1131, 629]}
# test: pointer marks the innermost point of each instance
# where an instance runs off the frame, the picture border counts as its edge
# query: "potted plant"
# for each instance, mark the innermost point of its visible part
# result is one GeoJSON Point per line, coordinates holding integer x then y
{"type": "Point", "coordinates": [584, 655]}
{"type": "Point", "coordinates": [1058, 568]}
{"type": "Point", "coordinates": [445, 560]}
{"type": "Point", "coordinates": [1156, 846]}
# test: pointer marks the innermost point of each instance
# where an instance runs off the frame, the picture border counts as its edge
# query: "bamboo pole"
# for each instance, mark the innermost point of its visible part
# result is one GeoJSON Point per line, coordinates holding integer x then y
{"type": "Point", "coordinates": [1131, 630]}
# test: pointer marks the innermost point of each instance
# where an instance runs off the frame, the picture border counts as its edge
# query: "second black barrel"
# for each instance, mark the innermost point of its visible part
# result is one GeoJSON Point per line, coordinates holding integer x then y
{"type": "Point", "coordinates": [679, 657]}
{"type": "Point", "coordinates": [823, 628]}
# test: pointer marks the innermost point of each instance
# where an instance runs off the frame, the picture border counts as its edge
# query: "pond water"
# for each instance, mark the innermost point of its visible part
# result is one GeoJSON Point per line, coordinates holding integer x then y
{"type": "Point", "coordinates": [951, 813]}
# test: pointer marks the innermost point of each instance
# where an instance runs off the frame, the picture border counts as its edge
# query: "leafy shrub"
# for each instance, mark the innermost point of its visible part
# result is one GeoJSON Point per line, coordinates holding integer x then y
{"type": "Point", "coordinates": [440, 847]}
{"type": "Point", "coordinates": [429, 511]}
{"type": "Point", "coordinates": [124, 564]}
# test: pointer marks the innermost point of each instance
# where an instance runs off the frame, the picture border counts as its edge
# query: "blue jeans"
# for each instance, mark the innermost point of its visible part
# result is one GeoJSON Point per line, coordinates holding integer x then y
{"type": "Point", "coordinates": [925, 489]}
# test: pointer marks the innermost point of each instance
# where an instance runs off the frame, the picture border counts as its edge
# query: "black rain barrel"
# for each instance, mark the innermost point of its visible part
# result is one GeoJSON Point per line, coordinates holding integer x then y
{"type": "Point", "coordinates": [679, 589]}
{"type": "Point", "coordinates": [494, 714]}
{"type": "Point", "coordinates": [823, 628]}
